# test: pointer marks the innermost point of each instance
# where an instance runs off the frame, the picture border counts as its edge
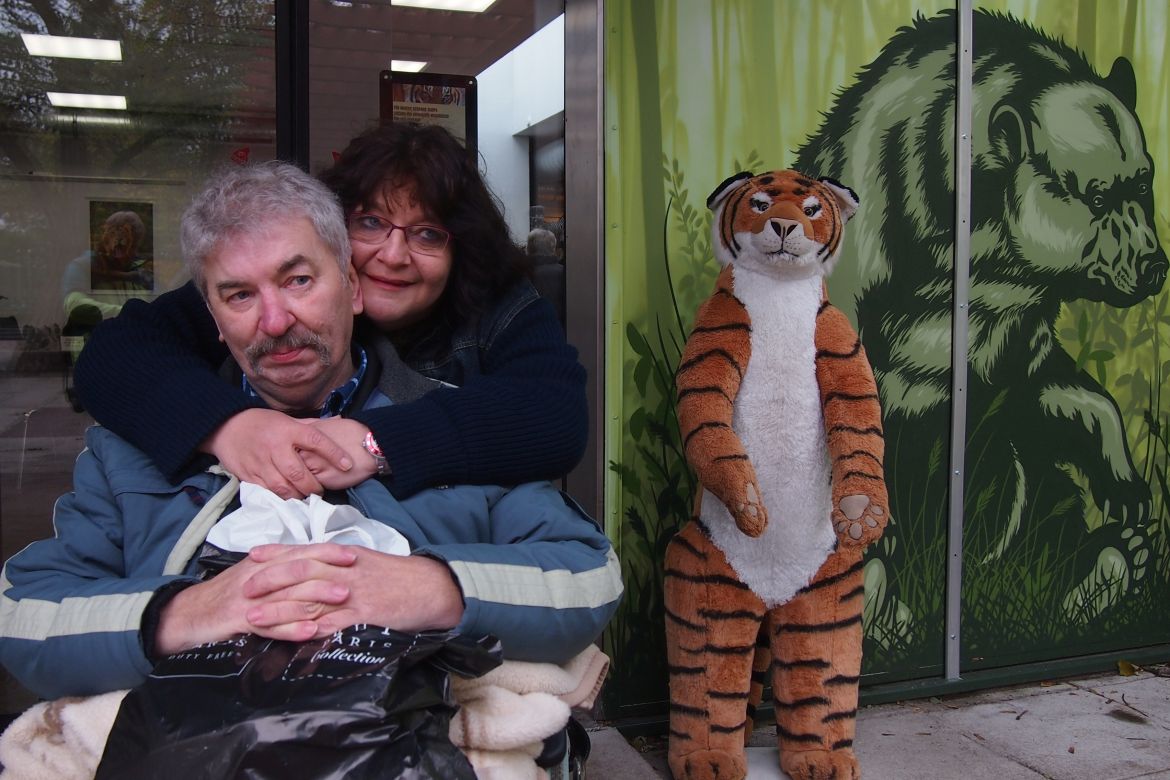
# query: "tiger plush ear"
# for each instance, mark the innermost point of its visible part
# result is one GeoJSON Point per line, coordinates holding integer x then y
{"type": "Point", "coordinates": [847, 199]}
{"type": "Point", "coordinates": [721, 192]}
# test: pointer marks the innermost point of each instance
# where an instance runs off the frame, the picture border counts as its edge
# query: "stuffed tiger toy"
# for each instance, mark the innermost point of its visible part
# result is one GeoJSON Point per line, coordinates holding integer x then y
{"type": "Point", "coordinates": [780, 420]}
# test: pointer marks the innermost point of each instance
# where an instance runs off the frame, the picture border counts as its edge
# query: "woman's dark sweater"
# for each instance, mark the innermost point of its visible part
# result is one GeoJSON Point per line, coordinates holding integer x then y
{"type": "Point", "coordinates": [150, 375]}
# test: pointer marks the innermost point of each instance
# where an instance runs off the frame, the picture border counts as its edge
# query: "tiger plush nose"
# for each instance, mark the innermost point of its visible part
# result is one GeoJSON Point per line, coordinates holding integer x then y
{"type": "Point", "coordinates": [783, 227]}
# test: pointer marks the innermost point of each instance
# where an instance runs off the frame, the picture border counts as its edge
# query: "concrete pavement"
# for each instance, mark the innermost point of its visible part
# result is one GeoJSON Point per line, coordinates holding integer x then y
{"type": "Point", "coordinates": [1104, 727]}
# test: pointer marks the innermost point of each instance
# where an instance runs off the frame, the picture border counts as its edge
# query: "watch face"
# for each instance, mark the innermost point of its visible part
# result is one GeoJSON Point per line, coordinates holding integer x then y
{"type": "Point", "coordinates": [370, 445]}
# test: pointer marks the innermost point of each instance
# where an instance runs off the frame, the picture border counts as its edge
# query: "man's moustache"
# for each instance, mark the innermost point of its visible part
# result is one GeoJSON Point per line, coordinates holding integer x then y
{"type": "Point", "coordinates": [286, 342]}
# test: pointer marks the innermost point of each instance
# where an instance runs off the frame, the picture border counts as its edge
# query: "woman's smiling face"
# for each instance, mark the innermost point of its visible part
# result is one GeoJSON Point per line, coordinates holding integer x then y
{"type": "Point", "coordinates": [399, 286]}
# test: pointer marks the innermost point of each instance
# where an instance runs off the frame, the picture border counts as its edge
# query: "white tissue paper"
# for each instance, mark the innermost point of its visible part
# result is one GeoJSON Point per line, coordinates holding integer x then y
{"type": "Point", "coordinates": [266, 518]}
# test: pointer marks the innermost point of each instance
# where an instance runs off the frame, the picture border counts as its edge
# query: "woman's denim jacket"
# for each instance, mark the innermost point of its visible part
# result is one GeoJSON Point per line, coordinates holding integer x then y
{"type": "Point", "coordinates": [471, 340]}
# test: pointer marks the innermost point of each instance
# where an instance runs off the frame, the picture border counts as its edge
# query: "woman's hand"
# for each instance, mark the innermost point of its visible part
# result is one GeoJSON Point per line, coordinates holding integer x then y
{"type": "Point", "coordinates": [269, 448]}
{"type": "Point", "coordinates": [349, 435]}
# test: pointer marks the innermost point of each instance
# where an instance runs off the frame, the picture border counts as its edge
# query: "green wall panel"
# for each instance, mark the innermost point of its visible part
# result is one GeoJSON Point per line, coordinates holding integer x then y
{"type": "Point", "coordinates": [1066, 496]}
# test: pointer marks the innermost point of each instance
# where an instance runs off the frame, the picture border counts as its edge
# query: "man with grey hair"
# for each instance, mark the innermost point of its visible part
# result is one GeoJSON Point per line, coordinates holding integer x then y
{"type": "Point", "coordinates": [548, 272]}
{"type": "Point", "coordinates": [542, 243]}
{"type": "Point", "coordinates": [120, 585]}
{"type": "Point", "coordinates": [278, 318]}
{"type": "Point", "coordinates": [256, 198]}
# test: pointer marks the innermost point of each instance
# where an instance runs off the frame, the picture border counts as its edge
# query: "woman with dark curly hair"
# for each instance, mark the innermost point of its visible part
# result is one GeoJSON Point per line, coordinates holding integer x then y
{"type": "Point", "coordinates": [440, 278]}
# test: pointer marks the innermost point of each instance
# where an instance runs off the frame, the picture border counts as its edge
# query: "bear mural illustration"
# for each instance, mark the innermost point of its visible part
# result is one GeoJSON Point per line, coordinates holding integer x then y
{"type": "Point", "coordinates": [1062, 212]}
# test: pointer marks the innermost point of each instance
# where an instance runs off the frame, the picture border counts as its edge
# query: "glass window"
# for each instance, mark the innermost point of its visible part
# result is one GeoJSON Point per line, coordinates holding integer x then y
{"type": "Point", "coordinates": [114, 113]}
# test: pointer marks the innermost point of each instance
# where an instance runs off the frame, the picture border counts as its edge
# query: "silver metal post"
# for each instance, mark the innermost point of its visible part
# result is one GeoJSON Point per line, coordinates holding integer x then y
{"type": "Point", "coordinates": [963, 84]}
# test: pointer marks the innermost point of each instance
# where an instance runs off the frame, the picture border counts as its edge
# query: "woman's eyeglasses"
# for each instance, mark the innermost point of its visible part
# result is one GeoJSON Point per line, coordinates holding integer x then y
{"type": "Point", "coordinates": [424, 239]}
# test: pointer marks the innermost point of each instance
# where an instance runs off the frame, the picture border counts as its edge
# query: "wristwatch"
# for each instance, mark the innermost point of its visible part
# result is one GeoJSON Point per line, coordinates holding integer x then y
{"type": "Point", "coordinates": [370, 445]}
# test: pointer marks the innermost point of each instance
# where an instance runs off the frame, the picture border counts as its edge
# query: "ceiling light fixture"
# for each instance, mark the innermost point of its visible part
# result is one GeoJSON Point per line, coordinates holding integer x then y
{"type": "Point", "coordinates": [469, 6]}
{"type": "Point", "coordinates": [407, 66]}
{"type": "Point", "coordinates": [80, 100]}
{"type": "Point", "coordinates": [101, 121]}
{"type": "Point", "coordinates": [73, 48]}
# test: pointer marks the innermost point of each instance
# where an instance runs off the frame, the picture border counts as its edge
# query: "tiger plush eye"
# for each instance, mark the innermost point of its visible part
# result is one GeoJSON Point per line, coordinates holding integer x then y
{"type": "Point", "coordinates": [810, 211]}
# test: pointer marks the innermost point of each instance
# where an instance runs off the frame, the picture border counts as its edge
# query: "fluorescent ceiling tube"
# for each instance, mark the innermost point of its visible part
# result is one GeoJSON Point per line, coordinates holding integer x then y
{"type": "Point", "coordinates": [407, 66]}
{"type": "Point", "coordinates": [76, 100]}
{"type": "Point", "coordinates": [471, 6]}
{"type": "Point", "coordinates": [103, 121]}
{"type": "Point", "coordinates": [74, 48]}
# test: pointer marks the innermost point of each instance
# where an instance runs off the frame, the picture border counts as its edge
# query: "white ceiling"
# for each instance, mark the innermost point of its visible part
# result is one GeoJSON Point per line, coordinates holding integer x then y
{"type": "Point", "coordinates": [365, 35]}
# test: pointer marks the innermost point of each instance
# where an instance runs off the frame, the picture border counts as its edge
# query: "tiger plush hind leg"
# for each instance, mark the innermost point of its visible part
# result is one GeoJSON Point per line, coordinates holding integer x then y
{"type": "Point", "coordinates": [712, 621]}
{"type": "Point", "coordinates": [816, 663]}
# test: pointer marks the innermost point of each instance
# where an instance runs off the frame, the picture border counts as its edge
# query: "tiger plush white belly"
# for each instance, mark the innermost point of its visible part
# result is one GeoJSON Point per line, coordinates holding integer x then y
{"type": "Point", "coordinates": [778, 418]}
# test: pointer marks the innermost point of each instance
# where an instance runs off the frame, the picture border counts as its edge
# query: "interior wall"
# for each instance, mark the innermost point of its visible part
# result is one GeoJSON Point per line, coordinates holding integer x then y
{"type": "Point", "coordinates": [520, 91]}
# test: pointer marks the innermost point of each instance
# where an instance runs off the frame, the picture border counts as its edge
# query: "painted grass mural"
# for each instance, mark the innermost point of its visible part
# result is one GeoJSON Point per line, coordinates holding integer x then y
{"type": "Point", "coordinates": [1065, 526]}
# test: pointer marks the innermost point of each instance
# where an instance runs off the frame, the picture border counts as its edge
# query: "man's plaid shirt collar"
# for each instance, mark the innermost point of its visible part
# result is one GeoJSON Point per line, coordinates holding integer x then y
{"type": "Point", "coordinates": [340, 398]}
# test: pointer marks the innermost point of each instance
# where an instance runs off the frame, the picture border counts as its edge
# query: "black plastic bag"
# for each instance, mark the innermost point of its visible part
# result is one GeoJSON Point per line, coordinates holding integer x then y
{"type": "Point", "coordinates": [367, 702]}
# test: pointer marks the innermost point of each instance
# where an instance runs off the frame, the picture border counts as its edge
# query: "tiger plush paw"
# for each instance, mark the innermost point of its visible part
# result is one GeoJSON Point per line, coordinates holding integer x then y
{"type": "Point", "coordinates": [748, 511]}
{"type": "Point", "coordinates": [821, 765]}
{"type": "Point", "coordinates": [859, 520]}
{"type": "Point", "coordinates": [708, 765]}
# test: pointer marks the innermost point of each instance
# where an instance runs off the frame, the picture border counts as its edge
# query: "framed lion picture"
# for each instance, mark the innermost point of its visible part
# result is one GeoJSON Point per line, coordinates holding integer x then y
{"type": "Point", "coordinates": [121, 242]}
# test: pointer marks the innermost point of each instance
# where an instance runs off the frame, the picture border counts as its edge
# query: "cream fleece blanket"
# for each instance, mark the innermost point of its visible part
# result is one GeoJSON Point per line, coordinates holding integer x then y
{"type": "Point", "coordinates": [60, 739]}
{"type": "Point", "coordinates": [504, 717]}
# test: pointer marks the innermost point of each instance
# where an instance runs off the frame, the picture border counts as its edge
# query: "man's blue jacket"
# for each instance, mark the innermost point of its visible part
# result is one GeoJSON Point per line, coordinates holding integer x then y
{"type": "Point", "coordinates": [534, 569]}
